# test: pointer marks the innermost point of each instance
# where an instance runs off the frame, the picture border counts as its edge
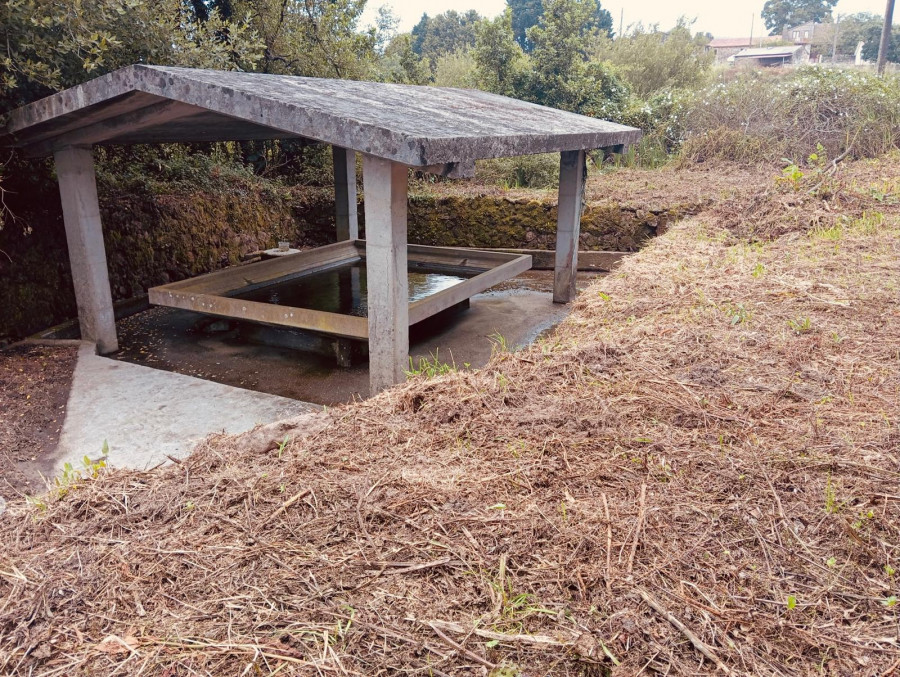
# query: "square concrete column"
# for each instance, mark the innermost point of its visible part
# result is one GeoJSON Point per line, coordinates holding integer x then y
{"type": "Point", "coordinates": [385, 185]}
{"type": "Point", "coordinates": [572, 172]}
{"type": "Point", "coordinates": [345, 193]}
{"type": "Point", "coordinates": [87, 254]}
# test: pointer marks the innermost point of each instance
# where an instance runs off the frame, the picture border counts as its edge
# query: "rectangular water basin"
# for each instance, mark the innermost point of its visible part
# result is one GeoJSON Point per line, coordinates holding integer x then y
{"type": "Point", "coordinates": [324, 289]}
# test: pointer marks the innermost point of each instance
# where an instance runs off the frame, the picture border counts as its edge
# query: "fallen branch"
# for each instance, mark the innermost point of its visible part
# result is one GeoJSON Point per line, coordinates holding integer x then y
{"type": "Point", "coordinates": [459, 647]}
{"type": "Point", "coordinates": [608, 544]}
{"type": "Point", "coordinates": [287, 504]}
{"type": "Point", "coordinates": [574, 642]}
{"type": "Point", "coordinates": [419, 567]}
{"type": "Point", "coordinates": [637, 530]}
{"type": "Point", "coordinates": [687, 632]}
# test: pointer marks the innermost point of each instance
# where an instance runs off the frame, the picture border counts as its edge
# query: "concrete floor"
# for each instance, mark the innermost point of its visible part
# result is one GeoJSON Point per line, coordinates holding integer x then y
{"type": "Point", "coordinates": [173, 382]}
{"type": "Point", "coordinates": [145, 415]}
{"type": "Point", "coordinates": [169, 339]}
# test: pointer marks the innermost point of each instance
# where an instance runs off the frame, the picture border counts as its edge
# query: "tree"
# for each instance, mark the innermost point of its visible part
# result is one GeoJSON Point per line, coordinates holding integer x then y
{"type": "Point", "coordinates": [310, 37]}
{"type": "Point", "coordinates": [562, 75]}
{"type": "Point", "coordinates": [497, 55]}
{"type": "Point", "coordinates": [780, 13]}
{"type": "Point", "coordinates": [455, 70]}
{"type": "Point", "coordinates": [527, 14]}
{"type": "Point", "coordinates": [55, 44]}
{"type": "Point", "coordinates": [444, 34]}
{"type": "Point", "coordinates": [399, 63]}
{"type": "Point", "coordinates": [653, 60]}
{"type": "Point", "coordinates": [524, 14]}
{"type": "Point", "coordinates": [871, 37]}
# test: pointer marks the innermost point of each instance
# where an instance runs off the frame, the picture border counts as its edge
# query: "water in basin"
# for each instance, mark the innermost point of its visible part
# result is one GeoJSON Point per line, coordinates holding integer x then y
{"type": "Point", "coordinates": [343, 289]}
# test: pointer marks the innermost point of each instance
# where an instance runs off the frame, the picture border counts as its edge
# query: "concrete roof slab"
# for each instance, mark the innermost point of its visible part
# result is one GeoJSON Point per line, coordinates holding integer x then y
{"type": "Point", "coordinates": [410, 124]}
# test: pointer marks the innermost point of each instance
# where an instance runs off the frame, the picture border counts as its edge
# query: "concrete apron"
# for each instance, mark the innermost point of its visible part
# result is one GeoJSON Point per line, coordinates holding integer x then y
{"type": "Point", "coordinates": [146, 415]}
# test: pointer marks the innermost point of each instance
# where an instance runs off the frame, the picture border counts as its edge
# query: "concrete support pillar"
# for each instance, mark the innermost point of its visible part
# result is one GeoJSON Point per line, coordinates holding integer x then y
{"type": "Point", "coordinates": [87, 254]}
{"type": "Point", "coordinates": [385, 185]}
{"type": "Point", "coordinates": [345, 193]}
{"type": "Point", "coordinates": [572, 172]}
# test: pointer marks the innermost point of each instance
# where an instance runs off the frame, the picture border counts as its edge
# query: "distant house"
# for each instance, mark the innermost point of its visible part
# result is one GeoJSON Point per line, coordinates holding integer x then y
{"type": "Point", "coordinates": [804, 34]}
{"type": "Point", "coordinates": [724, 48]}
{"type": "Point", "coordinates": [771, 56]}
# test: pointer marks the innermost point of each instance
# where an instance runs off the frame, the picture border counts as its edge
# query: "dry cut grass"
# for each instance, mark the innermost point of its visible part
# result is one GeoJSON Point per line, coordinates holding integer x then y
{"type": "Point", "coordinates": [697, 474]}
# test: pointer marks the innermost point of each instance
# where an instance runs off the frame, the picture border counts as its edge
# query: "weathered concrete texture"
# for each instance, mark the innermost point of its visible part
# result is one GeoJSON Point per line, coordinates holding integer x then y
{"type": "Point", "coordinates": [81, 212]}
{"type": "Point", "coordinates": [386, 258]}
{"type": "Point", "coordinates": [572, 173]}
{"type": "Point", "coordinates": [417, 126]}
{"type": "Point", "coordinates": [146, 414]}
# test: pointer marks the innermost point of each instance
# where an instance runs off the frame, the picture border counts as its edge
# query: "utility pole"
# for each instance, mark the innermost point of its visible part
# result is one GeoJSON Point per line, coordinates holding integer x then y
{"type": "Point", "coordinates": [837, 24]}
{"type": "Point", "coordinates": [751, 30]}
{"type": "Point", "coordinates": [885, 36]}
{"type": "Point", "coordinates": [621, 22]}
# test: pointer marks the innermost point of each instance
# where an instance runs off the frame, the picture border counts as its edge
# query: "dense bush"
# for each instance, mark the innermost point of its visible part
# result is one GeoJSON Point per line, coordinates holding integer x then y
{"type": "Point", "coordinates": [652, 61]}
{"type": "Point", "coordinates": [525, 171]}
{"type": "Point", "coordinates": [758, 118]}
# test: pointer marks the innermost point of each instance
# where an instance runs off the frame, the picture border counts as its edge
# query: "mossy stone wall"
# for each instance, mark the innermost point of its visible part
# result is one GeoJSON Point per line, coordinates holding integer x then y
{"type": "Point", "coordinates": [154, 238]}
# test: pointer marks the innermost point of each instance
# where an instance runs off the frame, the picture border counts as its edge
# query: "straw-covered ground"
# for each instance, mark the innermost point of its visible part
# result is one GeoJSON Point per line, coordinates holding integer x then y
{"type": "Point", "coordinates": [697, 474]}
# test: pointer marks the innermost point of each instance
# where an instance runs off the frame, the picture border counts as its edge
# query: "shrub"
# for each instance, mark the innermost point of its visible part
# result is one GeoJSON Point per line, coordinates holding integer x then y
{"type": "Point", "coordinates": [456, 69]}
{"type": "Point", "coordinates": [525, 171]}
{"type": "Point", "coordinates": [652, 61]}
{"type": "Point", "coordinates": [760, 116]}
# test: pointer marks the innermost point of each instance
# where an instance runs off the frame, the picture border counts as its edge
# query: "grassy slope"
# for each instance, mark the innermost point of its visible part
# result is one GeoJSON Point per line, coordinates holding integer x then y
{"type": "Point", "coordinates": [700, 467]}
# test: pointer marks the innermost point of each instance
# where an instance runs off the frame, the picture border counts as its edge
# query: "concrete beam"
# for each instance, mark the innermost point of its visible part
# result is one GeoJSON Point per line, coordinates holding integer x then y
{"type": "Point", "coordinates": [87, 254]}
{"type": "Point", "coordinates": [385, 185]}
{"type": "Point", "coordinates": [345, 193]}
{"type": "Point", "coordinates": [572, 172]}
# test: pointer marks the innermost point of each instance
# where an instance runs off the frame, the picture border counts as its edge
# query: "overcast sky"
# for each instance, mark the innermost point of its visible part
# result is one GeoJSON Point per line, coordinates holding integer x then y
{"type": "Point", "coordinates": [723, 19]}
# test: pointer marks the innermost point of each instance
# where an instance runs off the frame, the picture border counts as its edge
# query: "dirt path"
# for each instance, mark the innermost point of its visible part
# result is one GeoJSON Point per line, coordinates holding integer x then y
{"type": "Point", "coordinates": [34, 388]}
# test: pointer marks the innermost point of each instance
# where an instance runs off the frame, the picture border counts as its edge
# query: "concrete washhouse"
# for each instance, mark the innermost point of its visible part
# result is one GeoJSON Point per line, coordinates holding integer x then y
{"type": "Point", "coordinates": [395, 127]}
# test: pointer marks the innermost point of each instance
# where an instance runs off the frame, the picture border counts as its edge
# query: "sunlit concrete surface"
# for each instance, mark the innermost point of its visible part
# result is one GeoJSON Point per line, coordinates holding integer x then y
{"type": "Point", "coordinates": [145, 415]}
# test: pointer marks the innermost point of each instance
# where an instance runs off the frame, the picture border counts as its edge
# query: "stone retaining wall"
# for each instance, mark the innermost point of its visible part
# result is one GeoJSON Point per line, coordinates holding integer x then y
{"type": "Point", "coordinates": [157, 238]}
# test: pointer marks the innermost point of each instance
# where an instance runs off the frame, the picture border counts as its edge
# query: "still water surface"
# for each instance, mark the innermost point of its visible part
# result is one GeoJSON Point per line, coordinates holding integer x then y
{"type": "Point", "coordinates": [343, 289]}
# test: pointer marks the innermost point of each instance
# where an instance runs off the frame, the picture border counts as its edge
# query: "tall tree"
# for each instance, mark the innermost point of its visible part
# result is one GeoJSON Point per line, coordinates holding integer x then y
{"type": "Point", "coordinates": [562, 74]}
{"type": "Point", "coordinates": [310, 37]}
{"type": "Point", "coordinates": [524, 15]}
{"type": "Point", "coordinates": [53, 44]}
{"type": "Point", "coordinates": [778, 14]}
{"type": "Point", "coordinates": [527, 13]}
{"type": "Point", "coordinates": [497, 55]}
{"type": "Point", "coordinates": [444, 34]}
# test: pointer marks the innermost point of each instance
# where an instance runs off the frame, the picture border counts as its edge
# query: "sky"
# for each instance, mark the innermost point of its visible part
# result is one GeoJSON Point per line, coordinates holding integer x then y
{"type": "Point", "coordinates": [730, 19]}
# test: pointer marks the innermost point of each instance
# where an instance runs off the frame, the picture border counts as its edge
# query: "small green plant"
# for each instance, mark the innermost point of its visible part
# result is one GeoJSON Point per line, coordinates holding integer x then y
{"type": "Point", "coordinates": [791, 602]}
{"type": "Point", "coordinates": [890, 601]}
{"type": "Point", "coordinates": [430, 366]}
{"type": "Point", "coordinates": [831, 501]}
{"type": "Point", "coordinates": [791, 176]}
{"type": "Point", "coordinates": [88, 468]}
{"type": "Point", "coordinates": [800, 325]}
{"type": "Point", "coordinates": [737, 314]}
{"type": "Point", "coordinates": [284, 443]}
{"type": "Point", "coordinates": [758, 270]}
{"type": "Point", "coordinates": [498, 344]}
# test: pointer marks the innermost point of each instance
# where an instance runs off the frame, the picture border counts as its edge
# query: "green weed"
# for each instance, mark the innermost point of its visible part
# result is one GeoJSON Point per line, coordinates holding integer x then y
{"type": "Point", "coordinates": [430, 366]}
{"type": "Point", "coordinates": [800, 325]}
